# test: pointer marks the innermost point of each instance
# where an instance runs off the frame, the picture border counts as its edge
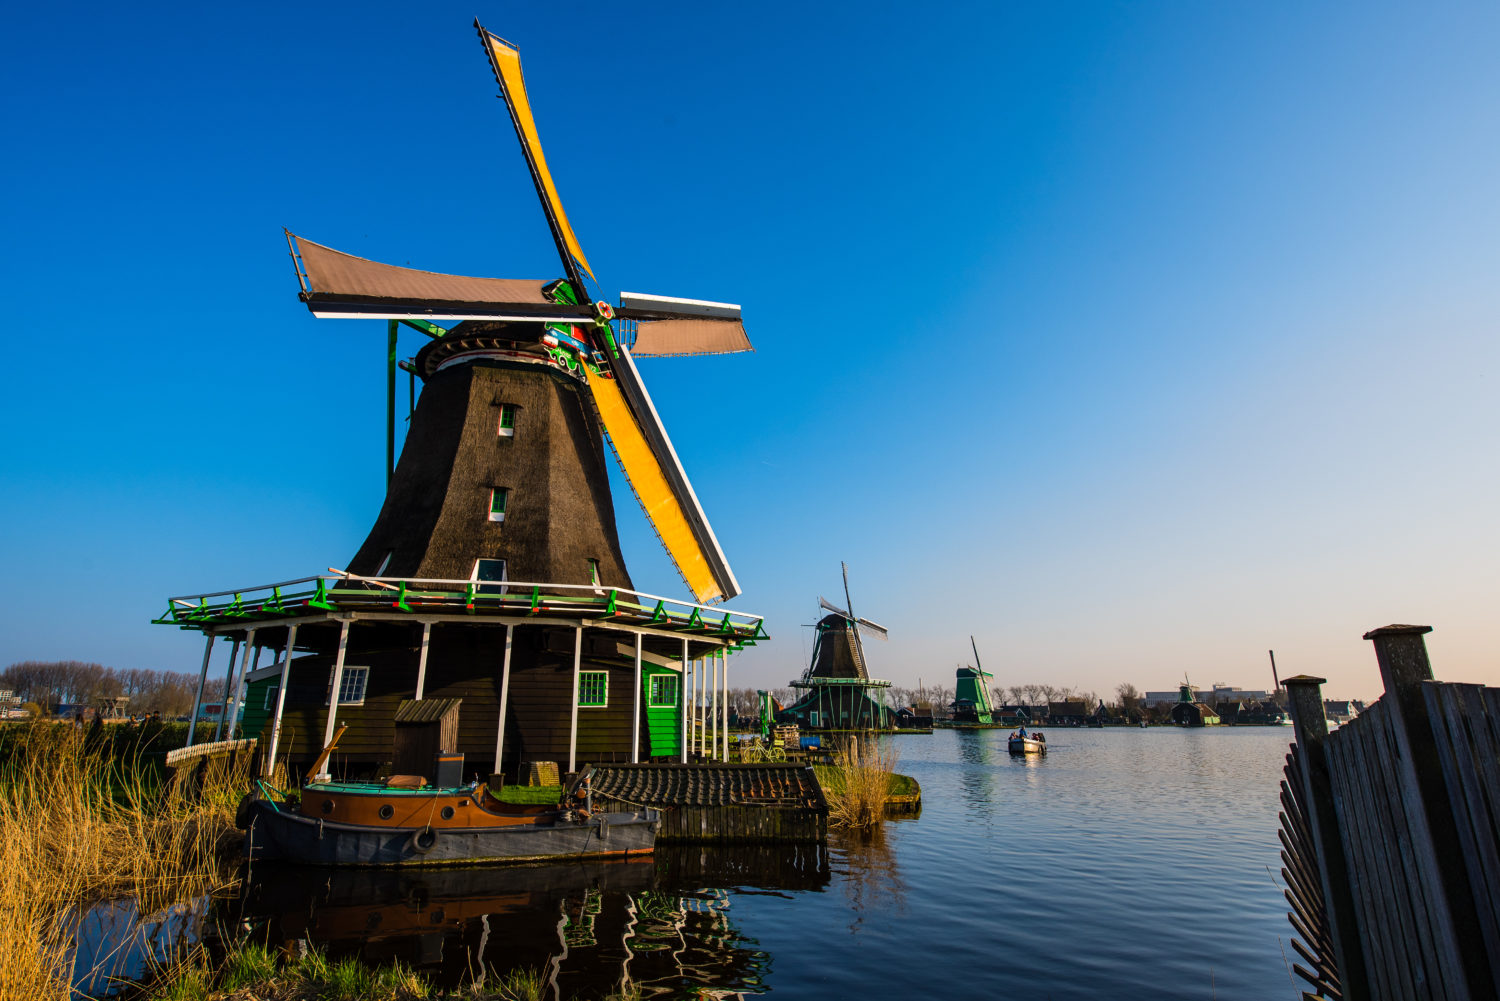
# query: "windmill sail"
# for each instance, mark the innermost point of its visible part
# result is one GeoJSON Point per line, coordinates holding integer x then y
{"type": "Point", "coordinates": [876, 628]}
{"type": "Point", "coordinates": [656, 476]}
{"type": "Point", "coordinates": [505, 60]}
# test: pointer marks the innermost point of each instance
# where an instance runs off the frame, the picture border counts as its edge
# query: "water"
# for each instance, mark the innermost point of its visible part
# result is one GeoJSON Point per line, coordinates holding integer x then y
{"type": "Point", "coordinates": [1126, 863]}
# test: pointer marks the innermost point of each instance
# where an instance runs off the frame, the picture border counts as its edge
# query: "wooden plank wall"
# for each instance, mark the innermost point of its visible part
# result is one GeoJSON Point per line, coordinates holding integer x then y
{"type": "Point", "coordinates": [1397, 830]}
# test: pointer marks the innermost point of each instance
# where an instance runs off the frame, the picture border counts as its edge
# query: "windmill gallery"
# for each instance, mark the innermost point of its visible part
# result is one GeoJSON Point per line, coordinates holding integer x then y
{"type": "Point", "coordinates": [488, 626]}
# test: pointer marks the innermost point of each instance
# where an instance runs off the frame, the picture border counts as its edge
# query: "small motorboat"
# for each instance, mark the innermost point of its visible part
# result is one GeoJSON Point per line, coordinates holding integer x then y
{"type": "Point", "coordinates": [1023, 743]}
{"type": "Point", "coordinates": [404, 822]}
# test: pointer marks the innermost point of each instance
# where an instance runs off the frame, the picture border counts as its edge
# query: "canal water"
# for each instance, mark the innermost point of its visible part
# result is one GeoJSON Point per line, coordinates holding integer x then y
{"type": "Point", "coordinates": [1125, 863]}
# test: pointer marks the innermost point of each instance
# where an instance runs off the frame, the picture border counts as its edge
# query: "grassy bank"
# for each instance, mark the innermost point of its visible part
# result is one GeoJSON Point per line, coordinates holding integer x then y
{"type": "Point", "coordinates": [858, 783]}
{"type": "Point", "coordinates": [85, 819]}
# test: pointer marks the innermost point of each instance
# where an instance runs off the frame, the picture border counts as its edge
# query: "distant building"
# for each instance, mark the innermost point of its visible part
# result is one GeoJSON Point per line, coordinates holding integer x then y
{"type": "Point", "coordinates": [1070, 713]}
{"type": "Point", "coordinates": [1188, 711]}
{"type": "Point", "coordinates": [1216, 694]}
{"type": "Point", "coordinates": [1341, 711]}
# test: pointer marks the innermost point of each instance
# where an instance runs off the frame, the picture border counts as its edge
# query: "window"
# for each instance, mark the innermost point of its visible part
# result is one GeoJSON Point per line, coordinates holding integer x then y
{"type": "Point", "coordinates": [507, 427]}
{"type": "Point", "coordinates": [593, 688]}
{"type": "Point", "coordinates": [493, 570]}
{"type": "Point", "coordinates": [352, 685]}
{"type": "Point", "coordinates": [385, 563]}
{"type": "Point", "coordinates": [663, 691]}
{"type": "Point", "coordinates": [498, 498]}
{"type": "Point", "coordinates": [594, 576]}
{"type": "Point", "coordinates": [270, 702]}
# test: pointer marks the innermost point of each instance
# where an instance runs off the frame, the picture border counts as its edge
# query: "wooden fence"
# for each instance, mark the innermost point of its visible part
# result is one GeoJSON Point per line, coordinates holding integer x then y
{"type": "Point", "coordinates": [1391, 835]}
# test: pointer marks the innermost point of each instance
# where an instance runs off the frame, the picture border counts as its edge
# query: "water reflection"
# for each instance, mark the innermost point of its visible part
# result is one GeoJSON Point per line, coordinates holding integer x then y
{"type": "Point", "coordinates": [114, 944]}
{"type": "Point", "coordinates": [660, 926]}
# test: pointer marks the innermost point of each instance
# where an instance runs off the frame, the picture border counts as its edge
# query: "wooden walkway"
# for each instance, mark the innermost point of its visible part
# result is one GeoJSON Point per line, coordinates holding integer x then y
{"type": "Point", "coordinates": [1391, 835]}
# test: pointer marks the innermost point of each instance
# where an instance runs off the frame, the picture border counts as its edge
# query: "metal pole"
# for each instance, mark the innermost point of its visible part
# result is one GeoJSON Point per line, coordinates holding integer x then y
{"type": "Point", "coordinates": [269, 768]}
{"type": "Point", "coordinates": [198, 699]}
{"type": "Point", "coordinates": [390, 401]}
{"type": "Point", "coordinates": [635, 730]}
{"type": "Point", "coordinates": [333, 696]}
{"type": "Point", "coordinates": [504, 694]}
{"type": "Point", "coordinates": [422, 657]}
{"type": "Point", "coordinates": [682, 701]}
{"type": "Point", "coordinates": [234, 652]}
{"type": "Point", "coordinates": [577, 677]}
{"type": "Point", "coordinates": [233, 706]}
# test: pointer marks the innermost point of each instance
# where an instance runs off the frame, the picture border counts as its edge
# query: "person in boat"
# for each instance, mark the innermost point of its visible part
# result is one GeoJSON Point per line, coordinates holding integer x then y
{"type": "Point", "coordinates": [1041, 737]}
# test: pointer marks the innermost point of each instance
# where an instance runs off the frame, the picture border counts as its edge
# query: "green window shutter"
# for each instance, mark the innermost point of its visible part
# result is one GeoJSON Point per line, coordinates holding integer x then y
{"type": "Point", "coordinates": [507, 417]}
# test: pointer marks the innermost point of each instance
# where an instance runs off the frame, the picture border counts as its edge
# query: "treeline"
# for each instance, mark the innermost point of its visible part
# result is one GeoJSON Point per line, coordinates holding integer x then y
{"type": "Point", "coordinates": [49, 684]}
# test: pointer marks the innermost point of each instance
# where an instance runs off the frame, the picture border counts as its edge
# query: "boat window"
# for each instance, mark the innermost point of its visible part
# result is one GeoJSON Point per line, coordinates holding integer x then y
{"type": "Point", "coordinates": [352, 686]}
{"type": "Point", "coordinates": [663, 691]}
{"type": "Point", "coordinates": [593, 688]}
{"type": "Point", "coordinates": [498, 498]}
{"type": "Point", "coordinates": [507, 427]}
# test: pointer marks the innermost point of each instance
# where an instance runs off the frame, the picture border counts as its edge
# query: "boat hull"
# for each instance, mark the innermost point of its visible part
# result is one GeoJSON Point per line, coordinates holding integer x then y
{"type": "Point", "coordinates": [281, 835]}
{"type": "Point", "coordinates": [1025, 745]}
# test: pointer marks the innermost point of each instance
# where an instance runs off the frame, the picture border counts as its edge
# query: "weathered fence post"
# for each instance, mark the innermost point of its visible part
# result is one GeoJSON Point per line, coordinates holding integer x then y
{"type": "Point", "coordinates": [1305, 697]}
{"type": "Point", "coordinates": [1402, 655]}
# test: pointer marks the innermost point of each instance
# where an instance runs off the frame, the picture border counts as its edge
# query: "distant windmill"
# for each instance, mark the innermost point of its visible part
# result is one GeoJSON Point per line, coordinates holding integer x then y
{"type": "Point", "coordinates": [847, 612]}
{"type": "Point", "coordinates": [837, 681]}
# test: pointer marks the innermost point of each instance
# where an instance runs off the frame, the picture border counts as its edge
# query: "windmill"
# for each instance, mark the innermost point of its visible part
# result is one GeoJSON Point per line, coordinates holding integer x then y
{"type": "Point", "coordinates": [971, 701]}
{"type": "Point", "coordinates": [489, 610]}
{"type": "Point", "coordinates": [556, 323]}
{"type": "Point", "coordinates": [837, 679]}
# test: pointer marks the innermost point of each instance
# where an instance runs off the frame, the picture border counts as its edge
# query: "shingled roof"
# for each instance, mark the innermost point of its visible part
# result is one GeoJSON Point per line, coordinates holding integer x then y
{"type": "Point", "coordinates": [706, 785]}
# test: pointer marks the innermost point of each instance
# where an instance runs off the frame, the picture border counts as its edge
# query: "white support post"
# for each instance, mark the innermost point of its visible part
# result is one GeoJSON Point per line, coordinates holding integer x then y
{"type": "Point", "coordinates": [713, 709]}
{"type": "Point", "coordinates": [232, 706]}
{"type": "Point", "coordinates": [333, 698]}
{"type": "Point", "coordinates": [635, 730]}
{"type": "Point", "coordinates": [269, 768]}
{"type": "Point", "coordinates": [577, 677]}
{"type": "Point", "coordinates": [682, 701]}
{"type": "Point", "coordinates": [234, 653]}
{"type": "Point", "coordinates": [422, 657]}
{"type": "Point", "coordinates": [725, 655]}
{"type": "Point", "coordinates": [504, 695]}
{"type": "Point", "coordinates": [198, 699]}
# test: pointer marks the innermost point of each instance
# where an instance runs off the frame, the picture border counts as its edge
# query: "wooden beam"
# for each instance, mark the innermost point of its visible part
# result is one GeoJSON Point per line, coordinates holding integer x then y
{"type": "Point", "coordinates": [422, 657]}
{"type": "Point", "coordinates": [577, 677]}
{"type": "Point", "coordinates": [228, 680]}
{"type": "Point", "coordinates": [635, 728]}
{"type": "Point", "coordinates": [232, 706]}
{"type": "Point", "coordinates": [682, 702]}
{"type": "Point", "coordinates": [504, 695]}
{"type": "Point", "coordinates": [198, 699]}
{"type": "Point", "coordinates": [333, 694]}
{"type": "Point", "coordinates": [269, 767]}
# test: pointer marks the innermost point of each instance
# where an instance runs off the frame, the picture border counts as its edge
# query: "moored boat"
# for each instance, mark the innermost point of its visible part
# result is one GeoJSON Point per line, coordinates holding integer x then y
{"type": "Point", "coordinates": [381, 824]}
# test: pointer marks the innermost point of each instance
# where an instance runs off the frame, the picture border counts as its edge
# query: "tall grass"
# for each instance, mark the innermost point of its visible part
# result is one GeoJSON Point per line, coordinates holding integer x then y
{"type": "Point", "coordinates": [82, 822]}
{"type": "Point", "coordinates": [859, 782]}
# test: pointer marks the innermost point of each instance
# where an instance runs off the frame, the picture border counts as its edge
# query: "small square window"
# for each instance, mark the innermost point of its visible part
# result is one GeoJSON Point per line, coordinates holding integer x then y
{"type": "Point", "coordinates": [498, 498]}
{"type": "Point", "coordinates": [489, 570]}
{"type": "Point", "coordinates": [507, 420]}
{"type": "Point", "coordinates": [593, 688]}
{"type": "Point", "coordinates": [352, 686]}
{"type": "Point", "coordinates": [594, 576]}
{"type": "Point", "coordinates": [385, 563]}
{"type": "Point", "coordinates": [663, 691]}
{"type": "Point", "coordinates": [270, 702]}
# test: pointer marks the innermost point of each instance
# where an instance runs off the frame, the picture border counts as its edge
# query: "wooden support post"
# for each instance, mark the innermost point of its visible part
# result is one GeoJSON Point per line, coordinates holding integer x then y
{"type": "Point", "coordinates": [1305, 698]}
{"type": "Point", "coordinates": [635, 715]}
{"type": "Point", "coordinates": [422, 657]}
{"type": "Point", "coordinates": [682, 702]}
{"type": "Point", "coordinates": [725, 654]}
{"type": "Point", "coordinates": [504, 695]}
{"type": "Point", "coordinates": [577, 679]}
{"type": "Point", "coordinates": [333, 697]}
{"type": "Point", "coordinates": [198, 699]}
{"type": "Point", "coordinates": [232, 705]}
{"type": "Point", "coordinates": [234, 652]}
{"type": "Point", "coordinates": [268, 768]}
{"type": "Point", "coordinates": [1402, 655]}
{"type": "Point", "coordinates": [390, 401]}
{"type": "Point", "coordinates": [713, 710]}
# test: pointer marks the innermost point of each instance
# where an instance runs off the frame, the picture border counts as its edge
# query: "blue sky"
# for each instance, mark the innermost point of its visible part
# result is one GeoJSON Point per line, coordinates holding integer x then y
{"type": "Point", "coordinates": [1134, 339]}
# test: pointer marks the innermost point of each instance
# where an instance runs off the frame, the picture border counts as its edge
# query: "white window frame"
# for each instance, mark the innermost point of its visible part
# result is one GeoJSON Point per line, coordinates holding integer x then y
{"type": "Point", "coordinates": [500, 584]}
{"type": "Point", "coordinates": [351, 671]}
{"type": "Point", "coordinates": [385, 563]}
{"type": "Point", "coordinates": [582, 675]}
{"type": "Point", "coordinates": [651, 700]}
{"type": "Point", "coordinates": [270, 700]}
{"type": "Point", "coordinates": [594, 577]}
{"type": "Point", "coordinates": [504, 494]}
{"type": "Point", "coordinates": [500, 429]}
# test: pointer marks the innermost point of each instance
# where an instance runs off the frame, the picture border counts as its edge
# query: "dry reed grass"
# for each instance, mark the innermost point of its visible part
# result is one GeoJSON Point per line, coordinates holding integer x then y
{"type": "Point", "coordinates": [80, 824]}
{"type": "Point", "coordinates": [859, 783]}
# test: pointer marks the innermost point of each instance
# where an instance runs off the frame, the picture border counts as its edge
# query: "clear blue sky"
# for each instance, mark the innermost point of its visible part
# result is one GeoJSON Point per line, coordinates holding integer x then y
{"type": "Point", "coordinates": [1133, 339]}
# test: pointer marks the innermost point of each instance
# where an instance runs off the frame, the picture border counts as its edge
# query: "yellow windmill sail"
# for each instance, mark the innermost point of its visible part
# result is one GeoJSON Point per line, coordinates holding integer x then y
{"type": "Point", "coordinates": [505, 59]}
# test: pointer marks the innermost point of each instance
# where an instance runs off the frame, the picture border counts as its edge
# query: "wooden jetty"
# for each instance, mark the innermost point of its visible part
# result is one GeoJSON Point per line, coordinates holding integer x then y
{"type": "Point", "coordinates": [1391, 850]}
{"type": "Point", "coordinates": [720, 802]}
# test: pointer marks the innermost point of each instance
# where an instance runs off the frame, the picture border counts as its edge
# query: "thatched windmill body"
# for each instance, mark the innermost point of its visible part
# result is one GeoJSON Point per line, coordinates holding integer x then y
{"type": "Point", "coordinates": [839, 693]}
{"type": "Point", "coordinates": [489, 610]}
